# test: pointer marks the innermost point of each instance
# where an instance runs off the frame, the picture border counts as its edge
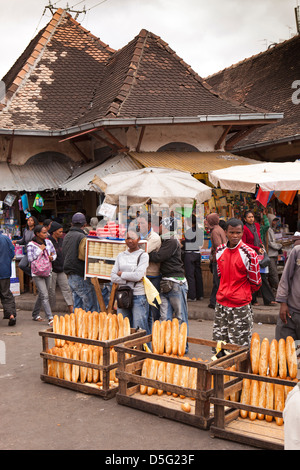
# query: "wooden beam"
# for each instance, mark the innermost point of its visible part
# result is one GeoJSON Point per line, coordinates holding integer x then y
{"type": "Point", "coordinates": [101, 139]}
{"type": "Point", "coordinates": [85, 158]}
{"type": "Point", "coordinates": [223, 137]}
{"type": "Point", "coordinates": [11, 142]}
{"type": "Point", "coordinates": [140, 138]}
{"type": "Point", "coordinates": [115, 140]}
{"type": "Point", "coordinates": [239, 136]}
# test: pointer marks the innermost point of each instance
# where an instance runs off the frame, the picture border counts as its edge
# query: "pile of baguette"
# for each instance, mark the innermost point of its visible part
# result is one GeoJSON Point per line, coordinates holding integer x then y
{"type": "Point", "coordinates": [276, 359]}
{"type": "Point", "coordinates": [169, 339]}
{"type": "Point", "coordinates": [91, 325]}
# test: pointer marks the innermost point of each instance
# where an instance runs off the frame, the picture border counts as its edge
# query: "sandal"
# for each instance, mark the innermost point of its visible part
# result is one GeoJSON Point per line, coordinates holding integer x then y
{"type": "Point", "coordinates": [50, 322]}
{"type": "Point", "coordinates": [38, 318]}
{"type": "Point", "coordinates": [12, 320]}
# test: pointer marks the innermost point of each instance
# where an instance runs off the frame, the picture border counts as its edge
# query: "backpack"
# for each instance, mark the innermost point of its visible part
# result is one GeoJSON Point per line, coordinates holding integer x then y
{"type": "Point", "coordinates": [41, 266]}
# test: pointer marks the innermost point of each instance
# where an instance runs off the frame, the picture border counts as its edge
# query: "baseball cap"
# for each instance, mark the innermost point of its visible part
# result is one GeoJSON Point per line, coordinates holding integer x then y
{"type": "Point", "coordinates": [78, 218]}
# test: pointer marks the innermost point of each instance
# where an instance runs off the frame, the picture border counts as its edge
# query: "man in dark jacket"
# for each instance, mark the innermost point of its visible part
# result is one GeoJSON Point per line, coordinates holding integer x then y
{"type": "Point", "coordinates": [84, 295]}
{"type": "Point", "coordinates": [58, 276]}
{"type": "Point", "coordinates": [173, 287]}
{"type": "Point", "coordinates": [7, 252]}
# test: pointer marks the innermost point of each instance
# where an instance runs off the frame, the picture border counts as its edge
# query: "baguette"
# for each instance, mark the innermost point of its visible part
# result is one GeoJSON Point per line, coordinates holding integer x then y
{"type": "Point", "coordinates": [175, 333]}
{"type": "Point", "coordinates": [102, 317]}
{"type": "Point", "coordinates": [291, 357]}
{"type": "Point", "coordinates": [126, 327]}
{"type": "Point", "coordinates": [255, 352]}
{"type": "Point", "coordinates": [262, 398]}
{"type": "Point", "coordinates": [184, 379]}
{"type": "Point", "coordinates": [234, 396]}
{"type": "Point", "coordinates": [111, 328]}
{"type": "Point", "coordinates": [273, 358]}
{"type": "Point", "coordinates": [95, 325]}
{"type": "Point", "coordinates": [269, 400]}
{"type": "Point", "coordinates": [169, 373]}
{"type": "Point", "coordinates": [152, 375]}
{"type": "Point", "coordinates": [95, 360]}
{"type": "Point", "coordinates": [89, 377]}
{"type": "Point", "coordinates": [144, 373]}
{"type": "Point", "coordinates": [282, 359]}
{"type": "Point", "coordinates": [72, 324]}
{"type": "Point", "coordinates": [79, 323]}
{"type": "Point", "coordinates": [186, 407]}
{"type": "Point", "coordinates": [168, 337]}
{"type": "Point", "coordinates": [62, 329]}
{"type": "Point", "coordinates": [51, 365]}
{"type": "Point", "coordinates": [56, 329]}
{"type": "Point", "coordinates": [84, 356]}
{"type": "Point", "coordinates": [182, 337]}
{"type": "Point", "coordinates": [254, 398]}
{"type": "Point", "coordinates": [105, 332]}
{"type": "Point", "coordinates": [264, 357]}
{"type": "Point", "coordinates": [279, 402]}
{"type": "Point", "coordinates": [85, 328]}
{"type": "Point", "coordinates": [162, 332]}
{"type": "Point", "coordinates": [161, 375]}
{"type": "Point", "coordinates": [67, 326]}
{"type": "Point", "coordinates": [177, 376]}
{"type": "Point", "coordinates": [67, 365]}
{"type": "Point", "coordinates": [155, 337]}
{"type": "Point", "coordinates": [192, 383]}
{"type": "Point", "coordinates": [75, 367]}
{"type": "Point", "coordinates": [120, 325]}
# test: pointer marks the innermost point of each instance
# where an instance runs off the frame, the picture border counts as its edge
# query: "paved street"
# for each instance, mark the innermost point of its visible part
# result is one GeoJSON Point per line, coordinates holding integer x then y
{"type": "Point", "coordinates": [40, 416]}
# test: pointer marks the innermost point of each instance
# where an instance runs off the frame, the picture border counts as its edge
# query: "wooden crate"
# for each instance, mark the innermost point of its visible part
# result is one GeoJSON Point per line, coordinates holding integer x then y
{"type": "Point", "coordinates": [130, 379]}
{"type": "Point", "coordinates": [108, 390]}
{"type": "Point", "coordinates": [228, 424]}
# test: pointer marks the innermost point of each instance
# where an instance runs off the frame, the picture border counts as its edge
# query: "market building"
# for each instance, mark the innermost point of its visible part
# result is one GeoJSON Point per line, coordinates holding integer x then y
{"type": "Point", "coordinates": [269, 79]}
{"type": "Point", "coordinates": [74, 105]}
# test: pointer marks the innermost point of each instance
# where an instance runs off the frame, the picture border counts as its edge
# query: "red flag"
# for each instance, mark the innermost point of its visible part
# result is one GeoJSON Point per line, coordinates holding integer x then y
{"type": "Point", "coordinates": [263, 197]}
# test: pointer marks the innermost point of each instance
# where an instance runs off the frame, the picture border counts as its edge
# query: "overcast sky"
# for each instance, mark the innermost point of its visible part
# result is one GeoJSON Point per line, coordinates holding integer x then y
{"type": "Point", "coordinates": [207, 34]}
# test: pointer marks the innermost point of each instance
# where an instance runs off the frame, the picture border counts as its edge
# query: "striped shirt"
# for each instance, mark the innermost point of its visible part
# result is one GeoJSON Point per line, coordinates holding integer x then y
{"type": "Point", "coordinates": [238, 269]}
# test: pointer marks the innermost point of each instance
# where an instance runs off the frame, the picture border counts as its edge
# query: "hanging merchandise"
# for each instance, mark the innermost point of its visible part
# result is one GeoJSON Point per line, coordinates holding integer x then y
{"type": "Point", "coordinates": [38, 203]}
{"type": "Point", "coordinates": [25, 203]}
{"type": "Point", "coordinates": [9, 199]}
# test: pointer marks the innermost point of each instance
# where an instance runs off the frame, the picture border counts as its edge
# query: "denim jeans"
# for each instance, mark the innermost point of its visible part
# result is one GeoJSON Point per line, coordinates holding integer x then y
{"type": "Point", "coordinates": [138, 315]}
{"type": "Point", "coordinates": [83, 292]}
{"type": "Point", "coordinates": [43, 286]}
{"type": "Point", "coordinates": [175, 302]}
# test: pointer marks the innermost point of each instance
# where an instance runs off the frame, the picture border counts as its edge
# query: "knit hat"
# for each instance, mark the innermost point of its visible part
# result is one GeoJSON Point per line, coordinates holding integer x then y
{"type": "Point", "coordinates": [54, 226]}
{"type": "Point", "coordinates": [212, 220]}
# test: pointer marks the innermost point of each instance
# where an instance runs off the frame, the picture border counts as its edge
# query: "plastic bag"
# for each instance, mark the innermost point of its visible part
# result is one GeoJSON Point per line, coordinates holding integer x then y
{"type": "Point", "coordinates": [151, 292]}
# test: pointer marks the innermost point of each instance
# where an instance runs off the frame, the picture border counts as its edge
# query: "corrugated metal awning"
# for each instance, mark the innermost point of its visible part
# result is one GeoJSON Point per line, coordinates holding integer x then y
{"type": "Point", "coordinates": [33, 177]}
{"type": "Point", "coordinates": [113, 165]}
{"type": "Point", "coordinates": [193, 162]}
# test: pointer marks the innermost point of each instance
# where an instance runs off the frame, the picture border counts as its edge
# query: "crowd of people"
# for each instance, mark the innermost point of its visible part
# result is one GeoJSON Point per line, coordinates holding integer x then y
{"type": "Point", "coordinates": [243, 262]}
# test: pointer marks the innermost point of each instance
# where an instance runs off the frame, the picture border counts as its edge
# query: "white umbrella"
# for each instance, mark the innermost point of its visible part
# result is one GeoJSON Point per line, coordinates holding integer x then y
{"type": "Point", "coordinates": [268, 175]}
{"type": "Point", "coordinates": [161, 185]}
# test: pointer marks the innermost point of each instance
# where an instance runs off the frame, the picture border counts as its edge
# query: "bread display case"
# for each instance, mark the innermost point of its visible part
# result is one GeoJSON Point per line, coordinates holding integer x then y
{"type": "Point", "coordinates": [101, 255]}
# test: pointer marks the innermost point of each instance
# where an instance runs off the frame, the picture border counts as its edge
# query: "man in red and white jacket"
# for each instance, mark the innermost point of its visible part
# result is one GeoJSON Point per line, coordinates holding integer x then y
{"type": "Point", "coordinates": [239, 274]}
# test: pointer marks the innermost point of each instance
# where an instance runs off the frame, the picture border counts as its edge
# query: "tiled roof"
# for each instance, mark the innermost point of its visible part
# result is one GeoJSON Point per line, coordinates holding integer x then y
{"type": "Point", "coordinates": [67, 77]}
{"type": "Point", "coordinates": [265, 80]}
{"type": "Point", "coordinates": [53, 82]}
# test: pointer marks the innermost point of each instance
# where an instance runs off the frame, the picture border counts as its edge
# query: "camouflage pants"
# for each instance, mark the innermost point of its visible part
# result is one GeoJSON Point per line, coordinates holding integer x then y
{"type": "Point", "coordinates": [233, 325]}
